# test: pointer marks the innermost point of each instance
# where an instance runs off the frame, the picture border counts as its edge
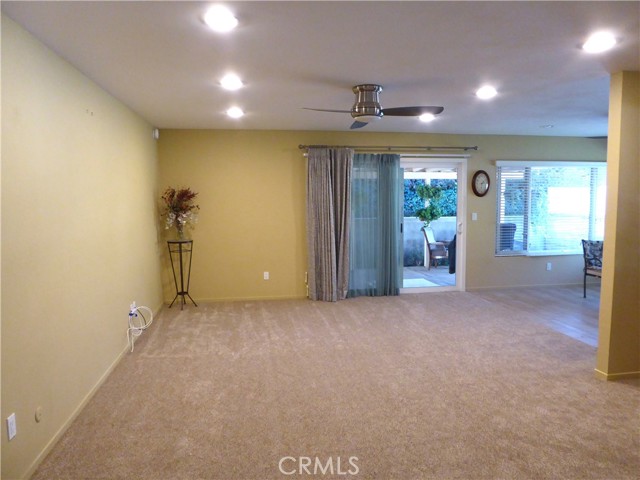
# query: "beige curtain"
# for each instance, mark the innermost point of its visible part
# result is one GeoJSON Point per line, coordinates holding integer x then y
{"type": "Point", "coordinates": [328, 213]}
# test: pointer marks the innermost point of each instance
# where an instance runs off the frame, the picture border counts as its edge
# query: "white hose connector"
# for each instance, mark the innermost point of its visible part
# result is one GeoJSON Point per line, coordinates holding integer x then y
{"type": "Point", "coordinates": [138, 323]}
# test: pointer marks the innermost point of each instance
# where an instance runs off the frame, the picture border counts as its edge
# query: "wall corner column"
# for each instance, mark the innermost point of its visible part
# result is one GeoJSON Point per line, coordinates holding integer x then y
{"type": "Point", "coordinates": [619, 324]}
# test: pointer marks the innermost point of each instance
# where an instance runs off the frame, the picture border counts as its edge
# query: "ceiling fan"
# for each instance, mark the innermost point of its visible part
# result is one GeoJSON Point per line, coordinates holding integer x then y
{"type": "Point", "coordinates": [367, 107]}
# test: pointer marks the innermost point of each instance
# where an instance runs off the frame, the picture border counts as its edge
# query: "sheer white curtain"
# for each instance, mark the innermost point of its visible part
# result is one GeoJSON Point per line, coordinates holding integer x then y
{"type": "Point", "coordinates": [376, 250]}
{"type": "Point", "coordinates": [328, 209]}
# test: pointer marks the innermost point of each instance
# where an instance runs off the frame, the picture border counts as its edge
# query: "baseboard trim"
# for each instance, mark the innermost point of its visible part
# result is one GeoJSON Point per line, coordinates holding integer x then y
{"type": "Point", "coordinates": [240, 299]}
{"type": "Point", "coordinates": [615, 376]}
{"type": "Point", "coordinates": [65, 426]}
{"type": "Point", "coordinates": [535, 285]}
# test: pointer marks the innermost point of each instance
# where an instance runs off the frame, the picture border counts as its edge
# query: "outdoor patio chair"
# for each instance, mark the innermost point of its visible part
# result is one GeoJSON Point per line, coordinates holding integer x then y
{"type": "Point", "coordinates": [436, 250]}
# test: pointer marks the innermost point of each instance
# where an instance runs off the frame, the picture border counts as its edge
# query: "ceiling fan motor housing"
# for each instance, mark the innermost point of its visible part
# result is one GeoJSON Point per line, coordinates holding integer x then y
{"type": "Point", "coordinates": [367, 107]}
{"type": "Point", "coordinates": [367, 101]}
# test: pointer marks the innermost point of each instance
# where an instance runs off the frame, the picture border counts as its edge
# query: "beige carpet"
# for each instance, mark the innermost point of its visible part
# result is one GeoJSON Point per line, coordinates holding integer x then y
{"type": "Point", "coordinates": [428, 386]}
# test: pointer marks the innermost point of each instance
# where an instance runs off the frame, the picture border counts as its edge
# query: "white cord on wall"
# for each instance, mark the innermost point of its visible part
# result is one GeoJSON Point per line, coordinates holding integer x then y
{"type": "Point", "coordinates": [137, 326]}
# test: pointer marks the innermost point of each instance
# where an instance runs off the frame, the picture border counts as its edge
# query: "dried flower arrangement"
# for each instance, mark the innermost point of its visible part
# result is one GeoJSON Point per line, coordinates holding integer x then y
{"type": "Point", "coordinates": [179, 208]}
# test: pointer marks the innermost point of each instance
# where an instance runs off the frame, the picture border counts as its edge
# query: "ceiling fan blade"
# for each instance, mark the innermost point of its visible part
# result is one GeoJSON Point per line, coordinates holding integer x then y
{"type": "Point", "coordinates": [411, 111]}
{"type": "Point", "coordinates": [325, 110]}
{"type": "Point", "coordinates": [357, 124]}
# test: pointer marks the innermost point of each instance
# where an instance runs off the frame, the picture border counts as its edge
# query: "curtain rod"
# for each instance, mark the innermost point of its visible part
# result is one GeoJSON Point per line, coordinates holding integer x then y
{"type": "Point", "coordinates": [387, 147]}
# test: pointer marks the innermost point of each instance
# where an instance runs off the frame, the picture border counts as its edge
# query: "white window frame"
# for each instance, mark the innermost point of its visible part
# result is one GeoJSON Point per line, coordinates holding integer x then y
{"type": "Point", "coordinates": [524, 251]}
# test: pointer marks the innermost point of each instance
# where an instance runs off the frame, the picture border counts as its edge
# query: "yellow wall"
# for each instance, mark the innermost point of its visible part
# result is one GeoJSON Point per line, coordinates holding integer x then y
{"type": "Point", "coordinates": [251, 192]}
{"type": "Point", "coordinates": [252, 198]}
{"type": "Point", "coordinates": [79, 239]}
{"type": "Point", "coordinates": [619, 333]}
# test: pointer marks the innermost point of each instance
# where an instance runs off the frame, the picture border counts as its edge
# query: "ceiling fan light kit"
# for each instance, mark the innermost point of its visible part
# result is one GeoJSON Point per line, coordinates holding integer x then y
{"type": "Point", "coordinates": [368, 118]}
{"type": "Point", "coordinates": [367, 107]}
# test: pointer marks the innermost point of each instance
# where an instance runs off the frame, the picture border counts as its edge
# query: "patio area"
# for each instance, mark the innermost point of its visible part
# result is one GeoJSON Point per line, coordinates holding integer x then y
{"type": "Point", "coordinates": [420, 277]}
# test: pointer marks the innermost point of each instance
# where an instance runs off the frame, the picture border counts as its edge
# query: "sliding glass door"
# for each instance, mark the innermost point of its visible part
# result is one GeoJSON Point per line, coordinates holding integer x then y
{"type": "Point", "coordinates": [433, 205]}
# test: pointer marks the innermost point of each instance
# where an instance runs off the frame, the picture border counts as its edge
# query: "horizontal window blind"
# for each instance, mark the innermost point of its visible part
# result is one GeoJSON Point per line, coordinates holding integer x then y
{"type": "Point", "coordinates": [547, 209]}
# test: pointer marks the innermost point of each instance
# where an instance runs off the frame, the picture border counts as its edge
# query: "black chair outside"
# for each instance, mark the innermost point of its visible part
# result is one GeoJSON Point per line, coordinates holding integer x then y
{"type": "Point", "coordinates": [592, 252]}
{"type": "Point", "coordinates": [507, 235]}
{"type": "Point", "coordinates": [451, 249]}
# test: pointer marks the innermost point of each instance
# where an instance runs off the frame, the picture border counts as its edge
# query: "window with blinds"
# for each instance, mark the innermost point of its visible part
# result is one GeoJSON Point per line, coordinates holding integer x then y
{"type": "Point", "coordinates": [547, 208]}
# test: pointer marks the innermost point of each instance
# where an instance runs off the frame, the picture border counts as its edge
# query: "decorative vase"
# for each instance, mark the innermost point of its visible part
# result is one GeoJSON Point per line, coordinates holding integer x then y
{"type": "Point", "coordinates": [180, 231]}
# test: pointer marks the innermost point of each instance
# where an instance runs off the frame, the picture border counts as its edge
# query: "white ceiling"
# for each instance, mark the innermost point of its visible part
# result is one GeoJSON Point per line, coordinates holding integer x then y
{"type": "Point", "coordinates": [161, 60]}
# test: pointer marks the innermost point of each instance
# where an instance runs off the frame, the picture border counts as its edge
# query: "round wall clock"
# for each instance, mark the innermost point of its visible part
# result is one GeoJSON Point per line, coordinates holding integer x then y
{"type": "Point", "coordinates": [480, 183]}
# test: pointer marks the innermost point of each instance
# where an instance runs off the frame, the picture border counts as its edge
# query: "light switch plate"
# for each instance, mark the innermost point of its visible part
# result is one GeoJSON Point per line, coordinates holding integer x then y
{"type": "Point", "coordinates": [11, 426]}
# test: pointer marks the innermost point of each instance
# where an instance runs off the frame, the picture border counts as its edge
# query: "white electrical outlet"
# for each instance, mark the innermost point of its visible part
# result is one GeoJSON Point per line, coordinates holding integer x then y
{"type": "Point", "coordinates": [474, 217]}
{"type": "Point", "coordinates": [548, 266]}
{"type": "Point", "coordinates": [266, 275]}
{"type": "Point", "coordinates": [12, 429]}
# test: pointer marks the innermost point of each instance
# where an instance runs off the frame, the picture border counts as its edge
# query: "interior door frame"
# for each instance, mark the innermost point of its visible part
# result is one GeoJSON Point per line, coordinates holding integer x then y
{"type": "Point", "coordinates": [459, 162]}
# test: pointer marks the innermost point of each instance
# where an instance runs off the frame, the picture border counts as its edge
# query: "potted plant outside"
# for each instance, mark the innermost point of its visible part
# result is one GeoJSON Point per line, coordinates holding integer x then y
{"type": "Point", "coordinates": [431, 211]}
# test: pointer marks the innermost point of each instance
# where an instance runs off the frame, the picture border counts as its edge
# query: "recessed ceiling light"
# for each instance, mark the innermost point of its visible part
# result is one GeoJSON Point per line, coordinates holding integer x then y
{"type": "Point", "coordinates": [231, 82]}
{"type": "Point", "coordinates": [599, 42]}
{"type": "Point", "coordinates": [427, 117]}
{"type": "Point", "coordinates": [220, 19]}
{"type": "Point", "coordinates": [486, 92]}
{"type": "Point", "coordinates": [235, 112]}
